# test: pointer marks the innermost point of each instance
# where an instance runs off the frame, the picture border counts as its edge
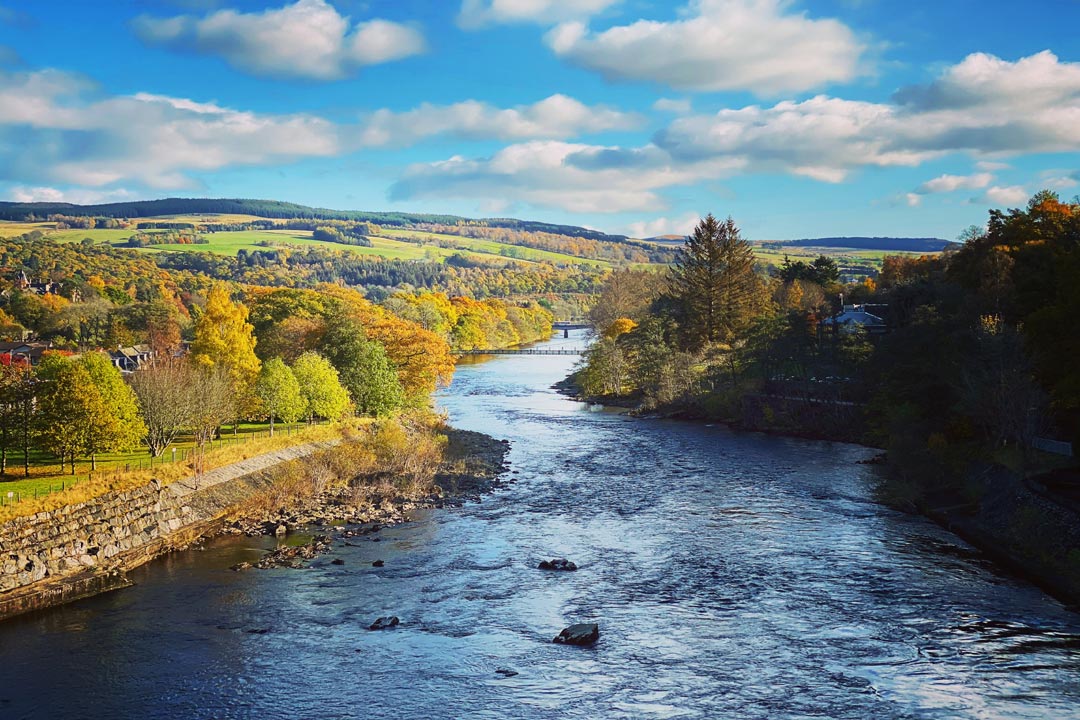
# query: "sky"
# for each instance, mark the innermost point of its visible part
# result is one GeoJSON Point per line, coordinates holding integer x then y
{"type": "Point", "coordinates": [799, 118]}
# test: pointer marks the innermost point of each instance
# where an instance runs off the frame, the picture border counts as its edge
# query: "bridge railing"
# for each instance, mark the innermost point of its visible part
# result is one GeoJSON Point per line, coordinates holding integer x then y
{"type": "Point", "coordinates": [523, 351]}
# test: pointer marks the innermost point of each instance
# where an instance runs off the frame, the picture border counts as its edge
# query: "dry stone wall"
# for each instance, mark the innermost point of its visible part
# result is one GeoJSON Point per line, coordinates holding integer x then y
{"type": "Point", "coordinates": [81, 549]}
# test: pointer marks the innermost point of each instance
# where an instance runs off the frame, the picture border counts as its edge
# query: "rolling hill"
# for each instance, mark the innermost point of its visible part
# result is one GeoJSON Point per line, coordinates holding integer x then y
{"type": "Point", "coordinates": [276, 209]}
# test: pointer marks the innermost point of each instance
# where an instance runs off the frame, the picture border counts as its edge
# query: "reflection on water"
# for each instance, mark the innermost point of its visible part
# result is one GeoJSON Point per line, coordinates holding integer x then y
{"type": "Point", "coordinates": [733, 576]}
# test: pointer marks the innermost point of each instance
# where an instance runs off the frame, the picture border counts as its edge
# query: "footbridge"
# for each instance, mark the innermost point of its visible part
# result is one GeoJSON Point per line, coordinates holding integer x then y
{"type": "Point", "coordinates": [524, 351]}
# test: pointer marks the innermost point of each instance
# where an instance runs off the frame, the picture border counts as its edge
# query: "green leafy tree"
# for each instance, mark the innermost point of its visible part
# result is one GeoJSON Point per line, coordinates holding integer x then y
{"type": "Point", "coordinates": [279, 392]}
{"type": "Point", "coordinates": [118, 425]}
{"type": "Point", "coordinates": [69, 407]}
{"type": "Point", "coordinates": [364, 368]}
{"type": "Point", "coordinates": [11, 383]}
{"type": "Point", "coordinates": [321, 387]}
{"type": "Point", "coordinates": [713, 285]}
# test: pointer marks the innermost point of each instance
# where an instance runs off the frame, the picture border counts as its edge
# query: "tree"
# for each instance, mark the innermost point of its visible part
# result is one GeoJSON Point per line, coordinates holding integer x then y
{"type": "Point", "coordinates": [224, 337]}
{"type": "Point", "coordinates": [364, 368]}
{"type": "Point", "coordinates": [163, 393]}
{"type": "Point", "coordinates": [69, 406]}
{"type": "Point", "coordinates": [119, 426]}
{"type": "Point", "coordinates": [213, 401]}
{"type": "Point", "coordinates": [11, 381]}
{"type": "Point", "coordinates": [713, 285]}
{"type": "Point", "coordinates": [279, 392]}
{"type": "Point", "coordinates": [626, 294]}
{"type": "Point", "coordinates": [321, 387]}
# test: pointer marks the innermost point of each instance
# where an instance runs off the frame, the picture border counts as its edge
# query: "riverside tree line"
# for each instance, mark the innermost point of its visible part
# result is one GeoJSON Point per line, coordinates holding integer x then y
{"type": "Point", "coordinates": [282, 356]}
{"type": "Point", "coordinates": [975, 359]}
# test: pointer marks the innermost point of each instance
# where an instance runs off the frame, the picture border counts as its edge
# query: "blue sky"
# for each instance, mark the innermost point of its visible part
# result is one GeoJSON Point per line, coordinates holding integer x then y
{"type": "Point", "coordinates": [800, 119]}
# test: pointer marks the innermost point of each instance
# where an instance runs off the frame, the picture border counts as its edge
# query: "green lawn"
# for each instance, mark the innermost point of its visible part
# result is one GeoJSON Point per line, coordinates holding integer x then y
{"type": "Point", "coordinates": [46, 476]}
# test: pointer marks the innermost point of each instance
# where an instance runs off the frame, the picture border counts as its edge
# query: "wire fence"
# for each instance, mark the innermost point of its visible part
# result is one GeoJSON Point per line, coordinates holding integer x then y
{"type": "Point", "coordinates": [115, 470]}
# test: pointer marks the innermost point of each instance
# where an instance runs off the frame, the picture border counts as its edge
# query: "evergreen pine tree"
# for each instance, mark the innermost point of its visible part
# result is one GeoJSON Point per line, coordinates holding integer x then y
{"type": "Point", "coordinates": [713, 286]}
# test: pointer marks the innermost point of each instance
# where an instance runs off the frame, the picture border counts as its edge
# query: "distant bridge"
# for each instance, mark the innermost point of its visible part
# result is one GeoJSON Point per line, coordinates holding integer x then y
{"type": "Point", "coordinates": [567, 325]}
{"type": "Point", "coordinates": [524, 351]}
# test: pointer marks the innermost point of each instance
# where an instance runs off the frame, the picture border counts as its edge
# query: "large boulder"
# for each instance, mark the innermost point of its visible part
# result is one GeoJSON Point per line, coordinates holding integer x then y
{"type": "Point", "coordinates": [580, 634]}
{"type": "Point", "coordinates": [557, 564]}
{"type": "Point", "coordinates": [384, 622]}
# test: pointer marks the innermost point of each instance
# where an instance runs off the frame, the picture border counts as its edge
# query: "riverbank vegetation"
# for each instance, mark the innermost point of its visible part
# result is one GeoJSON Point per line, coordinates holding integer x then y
{"type": "Point", "coordinates": [943, 360]}
{"type": "Point", "coordinates": [212, 355]}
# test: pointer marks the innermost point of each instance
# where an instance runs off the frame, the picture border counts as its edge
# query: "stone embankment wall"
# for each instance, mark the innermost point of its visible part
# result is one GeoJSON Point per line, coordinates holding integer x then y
{"type": "Point", "coordinates": [79, 550]}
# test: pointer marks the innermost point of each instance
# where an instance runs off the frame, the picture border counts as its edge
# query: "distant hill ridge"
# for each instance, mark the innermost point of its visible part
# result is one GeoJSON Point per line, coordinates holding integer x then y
{"type": "Point", "coordinates": [872, 243]}
{"type": "Point", "coordinates": [276, 209]}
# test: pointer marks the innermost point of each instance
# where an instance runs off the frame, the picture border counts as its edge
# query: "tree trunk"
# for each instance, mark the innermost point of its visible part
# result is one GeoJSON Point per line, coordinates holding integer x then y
{"type": "Point", "coordinates": [271, 425]}
{"type": "Point", "coordinates": [72, 463]}
{"type": "Point", "coordinates": [93, 462]}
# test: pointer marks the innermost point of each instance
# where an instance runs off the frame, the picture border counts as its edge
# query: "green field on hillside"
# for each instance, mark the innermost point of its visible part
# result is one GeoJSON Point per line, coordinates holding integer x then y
{"type": "Point", "coordinates": [491, 247]}
{"type": "Point", "coordinates": [401, 244]}
{"type": "Point", "coordinates": [392, 244]}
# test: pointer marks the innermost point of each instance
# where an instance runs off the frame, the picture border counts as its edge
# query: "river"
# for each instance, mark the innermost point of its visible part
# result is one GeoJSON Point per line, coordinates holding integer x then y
{"type": "Point", "coordinates": [733, 576]}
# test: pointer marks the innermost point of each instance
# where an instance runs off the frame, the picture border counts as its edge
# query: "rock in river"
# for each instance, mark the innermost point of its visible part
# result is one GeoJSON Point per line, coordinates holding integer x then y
{"type": "Point", "coordinates": [385, 622]}
{"type": "Point", "coordinates": [557, 564]}
{"type": "Point", "coordinates": [580, 634]}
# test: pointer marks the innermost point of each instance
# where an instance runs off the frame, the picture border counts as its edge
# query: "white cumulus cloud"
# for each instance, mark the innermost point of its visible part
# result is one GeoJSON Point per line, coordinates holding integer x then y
{"type": "Point", "coordinates": [656, 227]}
{"type": "Point", "coordinates": [823, 138]}
{"type": "Point", "coordinates": [571, 176]}
{"type": "Point", "coordinates": [555, 117]}
{"type": "Point", "coordinates": [952, 183]}
{"type": "Point", "coordinates": [1012, 195]}
{"type": "Point", "coordinates": [52, 130]}
{"type": "Point", "coordinates": [79, 196]}
{"type": "Point", "coordinates": [55, 130]}
{"type": "Point", "coordinates": [755, 45]}
{"type": "Point", "coordinates": [481, 13]}
{"type": "Point", "coordinates": [826, 138]}
{"type": "Point", "coordinates": [308, 39]}
{"type": "Point", "coordinates": [679, 106]}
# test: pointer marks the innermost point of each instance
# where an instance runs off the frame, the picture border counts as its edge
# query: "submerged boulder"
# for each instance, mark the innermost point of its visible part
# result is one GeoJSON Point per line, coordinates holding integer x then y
{"type": "Point", "coordinates": [579, 634]}
{"type": "Point", "coordinates": [384, 622]}
{"type": "Point", "coordinates": [557, 564]}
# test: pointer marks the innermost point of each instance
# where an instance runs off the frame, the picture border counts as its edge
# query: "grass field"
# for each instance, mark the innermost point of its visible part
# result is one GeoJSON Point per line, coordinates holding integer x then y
{"type": "Point", "coordinates": [492, 247]}
{"type": "Point", "coordinates": [394, 244]}
{"type": "Point", "coordinates": [400, 244]}
{"type": "Point", "coordinates": [47, 486]}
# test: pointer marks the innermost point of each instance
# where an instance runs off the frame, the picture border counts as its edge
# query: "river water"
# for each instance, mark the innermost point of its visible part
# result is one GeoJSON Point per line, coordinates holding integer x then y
{"type": "Point", "coordinates": [732, 575]}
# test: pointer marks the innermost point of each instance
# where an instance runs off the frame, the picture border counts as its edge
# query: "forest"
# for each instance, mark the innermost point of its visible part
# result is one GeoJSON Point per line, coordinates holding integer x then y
{"type": "Point", "coordinates": [955, 357]}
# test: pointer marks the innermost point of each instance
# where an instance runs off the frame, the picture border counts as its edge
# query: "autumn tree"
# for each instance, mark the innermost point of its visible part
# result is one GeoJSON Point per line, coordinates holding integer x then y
{"type": "Point", "coordinates": [713, 285]}
{"type": "Point", "coordinates": [224, 338]}
{"type": "Point", "coordinates": [628, 294]}
{"type": "Point", "coordinates": [321, 387]}
{"type": "Point", "coordinates": [164, 396]}
{"type": "Point", "coordinates": [212, 399]}
{"type": "Point", "coordinates": [279, 392]}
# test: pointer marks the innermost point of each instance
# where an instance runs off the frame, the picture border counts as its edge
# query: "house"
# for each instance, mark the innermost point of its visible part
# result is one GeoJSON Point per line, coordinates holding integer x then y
{"type": "Point", "coordinates": [130, 359]}
{"type": "Point", "coordinates": [13, 352]}
{"type": "Point", "coordinates": [38, 288]}
{"type": "Point", "coordinates": [853, 317]}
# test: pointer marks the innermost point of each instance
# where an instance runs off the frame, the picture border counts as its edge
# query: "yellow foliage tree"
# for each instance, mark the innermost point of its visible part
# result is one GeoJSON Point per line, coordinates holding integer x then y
{"type": "Point", "coordinates": [224, 337]}
{"type": "Point", "coordinates": [620, 326]}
